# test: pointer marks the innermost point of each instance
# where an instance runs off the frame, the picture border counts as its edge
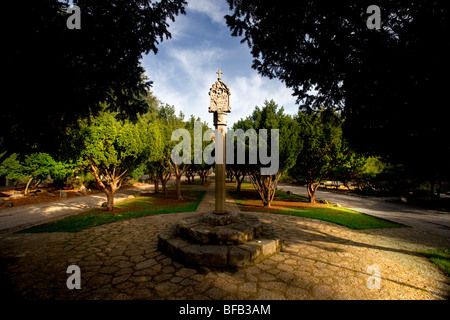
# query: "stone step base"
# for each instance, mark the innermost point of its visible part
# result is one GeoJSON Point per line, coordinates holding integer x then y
{"type": "Point", "coordinates": [234, 256]}
{"type": "Point", "coordinates": [243, 229]}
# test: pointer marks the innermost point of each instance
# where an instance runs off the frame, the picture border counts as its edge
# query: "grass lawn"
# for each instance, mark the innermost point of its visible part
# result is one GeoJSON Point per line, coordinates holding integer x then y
{"type": "Point", "coordinates": [291, 204]}
{"type": "Point", "coordinates": [137, 207]}
{"type": "Point", "coordinates": [440, 257]}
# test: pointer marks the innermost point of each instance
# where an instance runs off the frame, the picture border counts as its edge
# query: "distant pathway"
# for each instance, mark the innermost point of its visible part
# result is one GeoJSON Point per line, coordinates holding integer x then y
{"type": "Point", "coordinates": [430, 221]}
{"type": "Point", "coordinates": [24, 216]}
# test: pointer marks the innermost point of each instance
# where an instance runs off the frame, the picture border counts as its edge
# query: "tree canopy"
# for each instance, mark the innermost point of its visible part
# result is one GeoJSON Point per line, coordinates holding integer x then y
{"type": "Point", "coordinates": [54, 75]}
{"type": "Point", "coordinates": [390, 84]}
{"type": "Point", "coordinates": [322, 148]}
{"type": "Point", "coordinates": [110, 148]}
{"type": "Point", "coordinates": [271, 116]}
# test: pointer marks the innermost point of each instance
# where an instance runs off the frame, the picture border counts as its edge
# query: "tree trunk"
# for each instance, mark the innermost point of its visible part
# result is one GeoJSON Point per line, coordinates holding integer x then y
{"type": "Point", "coordinates": [27, 186]}
{"type": "Point", "coordinates": [239, 183]}
{"type": "Point", "coordinates": [110, 201]}
{"type": "Point", "coordinates": [311, 192]}
{"type": "Point", "coordinates": [178, 185]}
{"type": "Point", "coordinates": [202, 176]}
{"type": "Point", "coordinates": [156, 182]}
{"type": "Point", "coordinates": [432, 189]}
{"type": "Point", "coordinates": [163, 183]}
{"type": "Point", "coordinates": [164, 178]}
{"type": "Point", "coordinates": [109, 198]}
{"type": "Point", "coordinates": [439, 190]}
{"type": "Point", "coordinates": [36, 184]}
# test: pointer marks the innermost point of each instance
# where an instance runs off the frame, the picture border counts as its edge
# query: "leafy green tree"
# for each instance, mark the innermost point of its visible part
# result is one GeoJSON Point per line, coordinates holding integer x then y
{"type": "Point", "coordinates": [198, 145]}
{"type": "Point", "coordinates": [13, 169]}
{"type": "Point", "coordinates": [37, 166]}
{"type": "Point", "coordinates": [152, 168]}
{"type": "Point", "coordinates": [238, 171]}
{"type": "Point", "coordinates": [270, 116]}
{"type": "Point", "coordinates": [169, 122]}
{"type": "Point", "coordinates": [323, 148]}
{"type": "Point", "coordinates": [110, 148]}
{"type": "Point", "coordinates": [349, 171]}
{"type": "Point", "coordinates": [390, 84]}
{"type": "Point", "coordinates": [358, 170]}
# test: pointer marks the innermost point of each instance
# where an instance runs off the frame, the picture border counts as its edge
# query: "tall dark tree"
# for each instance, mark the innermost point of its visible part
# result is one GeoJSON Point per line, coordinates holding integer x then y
{"type": "Point", "coordinates": [322, 148]}
{"type": "Point", "coordinates": [269, 117]}
{"type": "Point", "coordinates": [54, 76]}
{"type": "Point", "coordinates": [390, 84]}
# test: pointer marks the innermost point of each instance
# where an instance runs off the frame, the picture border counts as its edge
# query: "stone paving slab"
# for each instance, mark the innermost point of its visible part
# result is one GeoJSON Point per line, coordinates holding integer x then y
{"type": "Point", "coordinates": [319, 260]}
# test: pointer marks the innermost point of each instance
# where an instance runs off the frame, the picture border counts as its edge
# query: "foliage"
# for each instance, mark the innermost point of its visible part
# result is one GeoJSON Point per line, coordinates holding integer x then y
{"type": "Point", "coordinates": [13, 169]}
{"type": "Point", "coordinates": [169, 122]}
{"type": "Point", "coordinates": [390, 84]}
{"type": "Point", "coordinates": [358, 170]}
{"type": "Point", "coordinates": [72, 70]}
{"type": "Point", "coordinates": [36, 166]}
{"type": "Point", "coordinates": [199, 145]}
{"type": "Point", "coordinates": [270, 116]}
{"type": "Point", "coordinates": [111, 149]}
{"type": "Point", "coordinates": [323, 148]}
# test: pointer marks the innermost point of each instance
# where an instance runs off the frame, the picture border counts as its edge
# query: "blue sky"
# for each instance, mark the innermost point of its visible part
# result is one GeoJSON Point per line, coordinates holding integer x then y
{"type": "Point", "coordinates": [185, 67]}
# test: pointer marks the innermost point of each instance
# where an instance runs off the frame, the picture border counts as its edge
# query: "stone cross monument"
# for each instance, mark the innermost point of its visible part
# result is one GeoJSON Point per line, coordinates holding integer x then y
{"type": "Point", "coordinates": [220, 105]}
{"type": "Point", "coordinates": [220, 238]}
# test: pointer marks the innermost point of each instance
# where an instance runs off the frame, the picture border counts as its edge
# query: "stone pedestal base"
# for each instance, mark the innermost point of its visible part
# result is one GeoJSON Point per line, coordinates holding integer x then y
{"type": "Point", "coordinates": [231, 240]}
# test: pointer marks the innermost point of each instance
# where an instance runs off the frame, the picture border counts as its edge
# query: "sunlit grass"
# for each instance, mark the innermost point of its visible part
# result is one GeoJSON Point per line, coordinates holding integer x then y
{"type": "Point", "coordinates": [291, 204]}
{"type": "Point", "coordinates": [128, 209]}
{"type": "Point", "coordinates": [440, 257]}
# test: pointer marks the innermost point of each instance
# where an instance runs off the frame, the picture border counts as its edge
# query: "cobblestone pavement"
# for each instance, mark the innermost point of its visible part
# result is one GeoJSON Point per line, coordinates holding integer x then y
{"type": "Point", "coordinates": [320, 260]}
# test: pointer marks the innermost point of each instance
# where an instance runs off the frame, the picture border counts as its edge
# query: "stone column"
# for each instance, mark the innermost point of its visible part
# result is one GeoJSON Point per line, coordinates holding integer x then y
{"type": "Point", "coordinates": [220, 106]}
{"type": "Point", "coordinates": [220, 169]}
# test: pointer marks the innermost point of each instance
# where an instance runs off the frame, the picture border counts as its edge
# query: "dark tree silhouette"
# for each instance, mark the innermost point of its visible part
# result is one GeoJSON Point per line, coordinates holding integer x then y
{"type": "Point", "coordinates": [390, 84]}
{"type": "Point", "coordinates": [54, 76]}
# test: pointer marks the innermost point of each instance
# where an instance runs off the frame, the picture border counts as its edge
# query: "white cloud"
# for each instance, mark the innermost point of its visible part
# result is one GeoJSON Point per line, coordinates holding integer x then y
{"type": "Point", "coordinates": [214, 9]}
{"type": "Point", "coordinates": [187, 79]}
{"type": "Point", "coordinates": [250, 91]}
{"type": "Point", "coordinates": [178, 28]}
{"type": "Point", "coordinates": [183, 71]}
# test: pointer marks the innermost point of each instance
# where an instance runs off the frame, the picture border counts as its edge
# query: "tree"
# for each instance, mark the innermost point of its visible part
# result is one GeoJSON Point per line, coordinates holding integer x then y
{"type": "Point", "coordinates": [199, 166]}
{"type": "Point", "coordinates": [170, 122]}
{"type": "Point", "coordinates": [37, 166]}
{"type": "Point", "coordinates": [203, 170]}
{"type": "Point", "coordinates": [238, 171]}
{"type": "Point", "coordinates": [13, 169]}
{"type": "Point", "coordinates": [110, 148]}
{"type": "Point", "coordinates": [323, 148]}
{"type": "Point", "coordinates": [152, 169]}
{"type": "Point", "coordinates": [190, 173]}
{"type": "Point", "coordinates": [390, 84]}
{"type": "Point", "coordinates": [270, 116]}
{"type": "Point", "coordinates": [72, 70]}
{"type": "Point", "coordinates": [350, 170]}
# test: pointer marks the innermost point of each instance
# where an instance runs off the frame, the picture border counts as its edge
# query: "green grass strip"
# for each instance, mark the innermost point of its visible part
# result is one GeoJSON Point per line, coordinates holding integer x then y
{"type": "Point", "coordinates": [339, 215]}
{"type": "Point", "coordinates": [440, 257]}
{"type": "Point", "coordinates": [128, 209]}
